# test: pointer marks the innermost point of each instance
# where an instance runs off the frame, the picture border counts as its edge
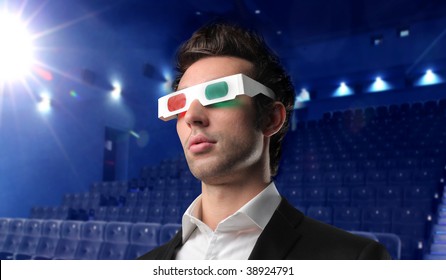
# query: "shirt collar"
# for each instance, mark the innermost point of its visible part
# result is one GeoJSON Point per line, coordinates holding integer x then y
{"type": "Point", "coordinates": [257, 212]}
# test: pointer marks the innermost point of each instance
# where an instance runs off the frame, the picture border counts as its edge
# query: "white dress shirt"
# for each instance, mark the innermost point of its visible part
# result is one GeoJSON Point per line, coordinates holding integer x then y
{"type": "Point", "coordinates": [235, 237]}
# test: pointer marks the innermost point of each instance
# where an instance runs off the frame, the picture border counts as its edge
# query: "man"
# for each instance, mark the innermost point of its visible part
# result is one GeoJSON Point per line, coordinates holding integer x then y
{"type": "Point", "coordinates": [232, 102]}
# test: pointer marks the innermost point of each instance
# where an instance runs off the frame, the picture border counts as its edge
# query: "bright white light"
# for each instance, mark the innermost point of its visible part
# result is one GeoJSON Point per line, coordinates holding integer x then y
{"type": "Point", "coordinates": [343, 90]}
{"type": "Point", "coordinates": [116, 92]}
{"type": "Point", "coordinates": [16, 50]}
{"type": "Point", "coordinates": [304, 96]}
{"type": "Point", "coordinates": [379, 85]}
{"type": "Point", "coordinates": [44, 106]}
{"type": "Point", "coordinates": [430, 78]}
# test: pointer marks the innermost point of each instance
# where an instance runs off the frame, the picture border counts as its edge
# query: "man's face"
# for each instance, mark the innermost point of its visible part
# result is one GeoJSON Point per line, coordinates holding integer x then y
{"type": "Point", "coordinates": [220, 142]}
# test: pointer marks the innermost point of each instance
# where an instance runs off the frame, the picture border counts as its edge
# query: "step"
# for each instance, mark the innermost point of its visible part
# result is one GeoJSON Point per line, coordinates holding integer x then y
{"type": "Point", "coordinates": [439, 229]}
{"type": "Point", "coordinates": [434, 257]}
{"type": "Point", "coordinates": [439, 238]}
{"type": "Point", "coordinates": [438, 248]}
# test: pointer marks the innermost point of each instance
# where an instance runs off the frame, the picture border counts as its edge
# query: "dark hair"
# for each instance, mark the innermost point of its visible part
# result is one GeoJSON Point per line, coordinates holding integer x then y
{"type": "Point", "coordinates": [223, 39]}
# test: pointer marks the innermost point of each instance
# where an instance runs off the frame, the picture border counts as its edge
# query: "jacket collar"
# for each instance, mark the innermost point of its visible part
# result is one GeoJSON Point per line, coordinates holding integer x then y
{"type": "Point", "coordinates": [280, 235]}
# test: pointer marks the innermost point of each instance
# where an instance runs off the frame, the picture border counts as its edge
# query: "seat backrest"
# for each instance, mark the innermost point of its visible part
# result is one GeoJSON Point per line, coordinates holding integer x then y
{"type": "Point", "coordinates": [65, 249]}
{"type": "Point", "coordinates": [113, 251]}
{"type": "Point", "coordinates": [46, 247]}
{"type": "Point", "coordinates": [392, 243]}
{"type": "Point", "coordinates": [4, 226]}
{"type": "Point", "coordinates": [93, 230]}
{"type": "Point", "coordinates": [87, 250]}
{"type": "Point", "coordinates": [167, 231]}
{"type": "Point", "coordinates": [117, 232]}
{"type": "Point", "coordinates": [71, 229]}
{"type": "Point", "coordinates": [145, 234]}
{"type": "Point", "coordinates": [16, 226]}
{"type": "Point", "coordinates": [51, 228]}
{"type": "Point", "coordinates": [32, 227]}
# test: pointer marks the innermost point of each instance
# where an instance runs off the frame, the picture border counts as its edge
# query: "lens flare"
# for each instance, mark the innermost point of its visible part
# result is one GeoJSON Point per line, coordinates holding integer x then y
{"type": "Point", "coordinates": [16, 49]}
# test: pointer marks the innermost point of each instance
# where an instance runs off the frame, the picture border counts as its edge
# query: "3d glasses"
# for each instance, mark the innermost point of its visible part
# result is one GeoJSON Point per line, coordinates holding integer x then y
{"type": "Point", "coordinates": [212, 92]}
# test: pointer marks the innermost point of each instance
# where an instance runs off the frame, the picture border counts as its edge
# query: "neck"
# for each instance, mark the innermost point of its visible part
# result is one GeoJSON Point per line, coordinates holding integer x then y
{"type": "Point", "coordinates": [220, 201]}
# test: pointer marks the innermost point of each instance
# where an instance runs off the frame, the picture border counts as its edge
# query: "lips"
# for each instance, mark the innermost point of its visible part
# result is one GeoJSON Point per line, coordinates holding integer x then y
{"type": "Point", "coordinates": [200, 143]}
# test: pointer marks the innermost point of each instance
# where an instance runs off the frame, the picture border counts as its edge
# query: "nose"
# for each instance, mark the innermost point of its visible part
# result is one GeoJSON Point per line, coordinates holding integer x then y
{"type": "Point", "coordinates": [196, 115]}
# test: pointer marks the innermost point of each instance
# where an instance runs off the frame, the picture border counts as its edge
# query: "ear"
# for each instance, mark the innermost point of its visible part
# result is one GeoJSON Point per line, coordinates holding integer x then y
{"type": "Point", "coordinates": [276, 119]}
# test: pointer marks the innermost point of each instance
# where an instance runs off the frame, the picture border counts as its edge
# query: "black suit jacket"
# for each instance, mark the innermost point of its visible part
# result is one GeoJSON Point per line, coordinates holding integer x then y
{"type": "Point", "coordinates": [290, 235]}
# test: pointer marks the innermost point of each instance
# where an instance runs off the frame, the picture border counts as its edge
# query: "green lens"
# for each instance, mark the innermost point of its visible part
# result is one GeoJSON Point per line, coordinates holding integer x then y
{"type": "Point", "coordinates": [216, 90]}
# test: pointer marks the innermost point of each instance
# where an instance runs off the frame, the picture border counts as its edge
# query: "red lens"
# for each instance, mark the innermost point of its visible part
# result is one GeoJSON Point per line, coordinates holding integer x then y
{"type": "Point", "coordinates": [176, 102]}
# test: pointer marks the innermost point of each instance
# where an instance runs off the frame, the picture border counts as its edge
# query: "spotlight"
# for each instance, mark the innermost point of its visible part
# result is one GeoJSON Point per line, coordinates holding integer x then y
{"type": "Point", "coordinates": [403, 32]}
{"type": "Point", "coordinates": [116, 92]}
{"type": "Point", "coordinates": [377, 40]}
{"type": "Point", "coordinates": [44, 106]}
{"type": "Point", "coordinates": [16, 50]}
{"type": "Point", "coordinates": [303, 97]}
{"type": "Point", "coordinates": [379, 85]}
{"type": "Point", "coordinates": [343, 90]}
{"type": "Point", "coordinates": [429, 78]}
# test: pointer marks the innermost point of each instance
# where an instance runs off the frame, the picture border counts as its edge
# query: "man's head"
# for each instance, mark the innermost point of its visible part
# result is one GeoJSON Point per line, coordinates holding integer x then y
{"type": "Point", "coordinates": [258, 62]}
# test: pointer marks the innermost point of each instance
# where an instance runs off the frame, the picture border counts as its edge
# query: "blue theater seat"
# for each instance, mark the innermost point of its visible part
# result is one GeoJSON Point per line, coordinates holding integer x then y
{"type": "Point", "coordinates": [140, 214]}
{"type": "Point", "coordinates": [145, 234]}
{"type": "Point", "coordinates": [392, 242]}
{"type": "Point", "coordinates": [60, 213]}
{"type": "Point", "coordinates": [100, 213]}
{"type": "Point", "coordinates": [51, 228]}
{"type": "Point", "coordinates": [400, 177]}
{"type": "Point", "coordinates": [172, 213]}
{"type": "Point", "coordinates": [93, 230]}
{"type": "Point", "coordinates": [332, 179]}
{"type": "Point", "coordinates": [71, 230]}
{"type": "Point", "coordinates": [135, 250]}
{"type": "Point", "coordinates": [10, 246]}
{"type": "Point", "coordinates": [390, 196]}
{"type": "Point", "coordinates": [155, 213]}
{"type": "Point", "coordinates": [125, 214]}
{"type": "Point", "coordinates": [167, 231]}
{"type": "Point", "coordinates": [365, 234]}
{"type": "Point", "coordinates": [4, 226]}
{"type": "Point", "coordinates": [312, 179]}
{"type": "Point", "coordinates": [354, 179]}
{"type": "Point", "coordinates": [87, 250]}
{"type": "Point", "coordinates": [321, 213]}
{"type": "Point", "coordinates": [315, 195]}
{"type": "Point", "coordinates": [410, 221]}
{"type": "Point", "coordinates": [347, 218]}
{"type": "Point", "coordinates": [363, 196]}
{"type": "Point", "coordinates": [65, 249]}
{"type": "Point", "coordinates": [376, 219]}
{"type": "Point", "coordinates": [32, 227]}
{"type": "Point", "coordinates": [113, 251]}
{"type": "Point", "coordinates": [376, 178]}
{"type": "Point", "coordinates": [27, 247]}
{"type": "Point", "coordinates": [16, 226]}
{"type": "Point", "coordinates": [419, 196]}
{"type": "Point", "coordinates": [294, 195]}
{"type": "Point", "coordinates": [338, 196]}
{"type": "Point", "coordinates": [117, 232]}
{"type": "Point", "coordinates": [112, 213]}
{"type": "Point", "coordinates": [46, 248]}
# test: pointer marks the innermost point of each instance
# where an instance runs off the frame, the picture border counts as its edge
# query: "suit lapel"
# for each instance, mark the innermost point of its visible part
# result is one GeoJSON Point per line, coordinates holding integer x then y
{"type": "Point", "coordinates": [172, 246]}
{"type": "Point", "coordinates": [280, 234]}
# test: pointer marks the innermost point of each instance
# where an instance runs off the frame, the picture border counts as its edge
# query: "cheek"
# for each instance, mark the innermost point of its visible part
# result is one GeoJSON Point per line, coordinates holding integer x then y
{"type": "Point", "coordinates": [181, 130]}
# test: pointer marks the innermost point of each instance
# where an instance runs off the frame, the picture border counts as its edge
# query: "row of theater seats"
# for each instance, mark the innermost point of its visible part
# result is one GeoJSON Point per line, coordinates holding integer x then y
{"type": "Point", "coordinates": [57, 239]}
{"type": "Point", "coordinates": [423, 197]}
{"type": "Point", "coordinates": [54, 239]}
{"type": "Point", "coordinates": [394, 112]}
{"type": "Point", "coordinates": [411, 225]}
